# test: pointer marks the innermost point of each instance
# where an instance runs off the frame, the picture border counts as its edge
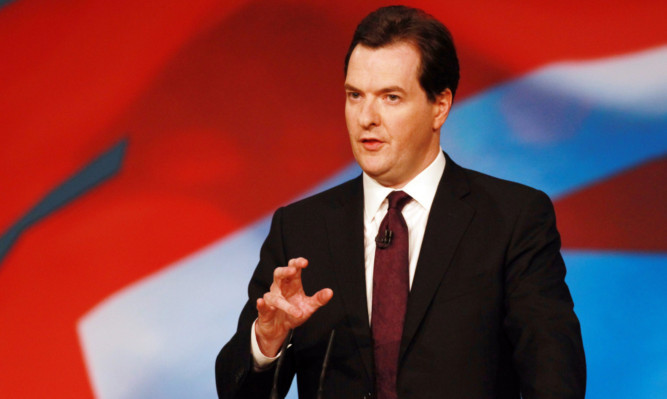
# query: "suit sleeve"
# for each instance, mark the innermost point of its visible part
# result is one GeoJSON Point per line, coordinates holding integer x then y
{"type": "Point", "coordinates": [234, 375]}
{"type": "Point", "coordinates": [540, 322]}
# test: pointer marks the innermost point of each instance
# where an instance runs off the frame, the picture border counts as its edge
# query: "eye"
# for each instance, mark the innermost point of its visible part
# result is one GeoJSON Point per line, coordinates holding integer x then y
{"type": "Point", "coordinates": [393, 98]}
{"type": "Point", "coordinates": [353, 95]}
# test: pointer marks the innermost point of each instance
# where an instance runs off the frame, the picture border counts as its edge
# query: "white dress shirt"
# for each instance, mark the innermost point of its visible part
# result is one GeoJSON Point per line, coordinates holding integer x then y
{"type": "Point", "coordinates": [422, 190]}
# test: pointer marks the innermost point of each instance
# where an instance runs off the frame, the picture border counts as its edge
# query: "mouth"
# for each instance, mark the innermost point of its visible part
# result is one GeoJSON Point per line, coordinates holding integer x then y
{"type": "Point", "coordinates": [371, 144]}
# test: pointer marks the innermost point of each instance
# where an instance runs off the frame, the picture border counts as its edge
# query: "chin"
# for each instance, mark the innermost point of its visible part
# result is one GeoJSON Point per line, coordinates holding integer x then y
{"type": "Point", "coordinates": [371, 168]}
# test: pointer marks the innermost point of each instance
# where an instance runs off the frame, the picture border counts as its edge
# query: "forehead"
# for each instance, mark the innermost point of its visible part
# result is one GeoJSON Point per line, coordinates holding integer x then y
{"type": "Point", "coordinates": [376, 68]}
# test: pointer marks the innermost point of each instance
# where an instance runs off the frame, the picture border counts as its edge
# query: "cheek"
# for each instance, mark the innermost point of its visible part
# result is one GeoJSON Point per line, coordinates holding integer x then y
{"type": "Point", "coordinates": [349, 119]}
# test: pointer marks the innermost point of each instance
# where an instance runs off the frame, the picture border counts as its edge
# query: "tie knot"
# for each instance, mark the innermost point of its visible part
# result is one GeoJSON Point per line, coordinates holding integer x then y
{"type": "Point", "coordinates": [398, 199]}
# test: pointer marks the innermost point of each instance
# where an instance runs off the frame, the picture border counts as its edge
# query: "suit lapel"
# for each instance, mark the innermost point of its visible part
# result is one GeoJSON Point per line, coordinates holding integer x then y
{"type": "Point", "coordinates": [448, 219]}
{"type": "Point", "coordinates": [345, 229]}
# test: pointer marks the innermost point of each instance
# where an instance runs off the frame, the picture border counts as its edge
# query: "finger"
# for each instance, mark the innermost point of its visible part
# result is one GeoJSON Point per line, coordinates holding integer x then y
{"type": "Point", "coordinates": [296, 264]}
{"type": "Point", "coordinates": [292, 269]}
{"type": "Point", "coordinates": [284, 272]}
{"type": "Point", "coordinates": [299, 263]}
{"type": "Point", "coordinates": [287, 279]}
{"type": "Point", "coordinates": [264, 310]}
{"type": "Point", "coordinates": [286, 283]}
{"type": "Point", "coordinates": [281, 303]}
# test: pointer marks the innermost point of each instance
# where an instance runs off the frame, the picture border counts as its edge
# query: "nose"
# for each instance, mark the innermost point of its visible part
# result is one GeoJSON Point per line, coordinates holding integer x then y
{"type": "Point", "coordinates": [369, 116]}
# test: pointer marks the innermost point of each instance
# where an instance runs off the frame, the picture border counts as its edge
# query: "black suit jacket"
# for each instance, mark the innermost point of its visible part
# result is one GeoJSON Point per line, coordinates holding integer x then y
{"type": "Point", "coordinates": [488, 316]}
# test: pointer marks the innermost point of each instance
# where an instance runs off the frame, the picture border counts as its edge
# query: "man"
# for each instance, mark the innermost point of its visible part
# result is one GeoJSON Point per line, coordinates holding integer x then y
{"type": "Point", "coordinates": [440, 282]}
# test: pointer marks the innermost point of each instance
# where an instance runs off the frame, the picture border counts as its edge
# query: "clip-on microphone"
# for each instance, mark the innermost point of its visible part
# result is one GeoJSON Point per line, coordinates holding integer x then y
{"type": "Point", "coordinates": [384, 241]}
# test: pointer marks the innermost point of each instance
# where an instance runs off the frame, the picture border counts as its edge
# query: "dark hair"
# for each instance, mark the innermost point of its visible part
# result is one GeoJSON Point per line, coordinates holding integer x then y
{"type": "Point", "coordinates": [393, 24]}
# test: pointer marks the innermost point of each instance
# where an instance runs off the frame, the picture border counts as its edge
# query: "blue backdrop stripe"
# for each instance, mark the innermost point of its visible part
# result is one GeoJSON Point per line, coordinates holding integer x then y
{"type": "Point", "coordinates": [96, 172]}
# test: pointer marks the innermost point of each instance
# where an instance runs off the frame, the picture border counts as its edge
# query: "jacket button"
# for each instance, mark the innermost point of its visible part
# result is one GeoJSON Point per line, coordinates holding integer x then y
{"type": "Point", "coordinates": [368, 396]}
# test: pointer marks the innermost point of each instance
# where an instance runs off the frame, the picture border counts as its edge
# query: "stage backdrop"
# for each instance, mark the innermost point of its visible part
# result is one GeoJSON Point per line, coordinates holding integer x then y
{"type": "Point", "coordinates": [144, 146]}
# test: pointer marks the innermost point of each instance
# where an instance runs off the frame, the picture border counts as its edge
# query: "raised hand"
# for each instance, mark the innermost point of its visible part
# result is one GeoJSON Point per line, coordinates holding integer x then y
{"type": "Point", "coordinates": [285, 306]}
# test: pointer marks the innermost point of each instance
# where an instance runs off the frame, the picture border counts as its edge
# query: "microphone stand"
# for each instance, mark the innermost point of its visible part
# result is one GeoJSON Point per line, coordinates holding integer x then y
{"type": "Point", "coordinates": [274, 388]}
{"type": "Point", "coordinates": [325, 364]}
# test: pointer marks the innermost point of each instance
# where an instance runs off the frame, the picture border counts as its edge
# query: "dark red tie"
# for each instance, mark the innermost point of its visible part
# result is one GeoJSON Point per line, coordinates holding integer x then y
{"type": "Point", "coordinates": [390, 294]}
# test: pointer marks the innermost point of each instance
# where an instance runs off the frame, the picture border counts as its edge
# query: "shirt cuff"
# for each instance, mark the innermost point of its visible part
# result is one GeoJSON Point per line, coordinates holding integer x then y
{"type": "Point", "coordinates": [260, 361]}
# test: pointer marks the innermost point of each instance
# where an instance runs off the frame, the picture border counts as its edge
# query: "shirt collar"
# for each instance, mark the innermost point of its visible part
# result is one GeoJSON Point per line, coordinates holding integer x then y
{"type": "Point", "coordinates": [422, 188]}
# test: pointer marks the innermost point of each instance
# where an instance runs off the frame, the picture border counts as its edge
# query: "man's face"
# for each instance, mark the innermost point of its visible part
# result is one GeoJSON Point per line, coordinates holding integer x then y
{"type": "Point", "coordinates": [394, 129]}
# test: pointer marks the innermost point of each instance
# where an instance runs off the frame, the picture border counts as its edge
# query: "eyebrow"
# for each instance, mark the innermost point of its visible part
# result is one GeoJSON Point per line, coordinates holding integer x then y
{"type": "Point", "coordinates": [393, 88]}
{"type": "Point", "coordinates": [389, 89]}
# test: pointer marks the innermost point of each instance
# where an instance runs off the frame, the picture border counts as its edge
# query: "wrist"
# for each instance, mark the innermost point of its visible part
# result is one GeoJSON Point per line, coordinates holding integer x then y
{"type": "Point", "coordinates": [269, 344]}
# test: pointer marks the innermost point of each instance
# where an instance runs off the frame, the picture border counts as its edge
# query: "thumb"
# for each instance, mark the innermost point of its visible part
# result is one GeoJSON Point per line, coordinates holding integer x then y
{"type": "Point", "coordinates": [322, 297]}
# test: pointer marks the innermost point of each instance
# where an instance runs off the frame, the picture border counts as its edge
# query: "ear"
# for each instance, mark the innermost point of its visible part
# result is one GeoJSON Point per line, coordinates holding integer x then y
{"type": "Point", "coordinates": [441, 107]}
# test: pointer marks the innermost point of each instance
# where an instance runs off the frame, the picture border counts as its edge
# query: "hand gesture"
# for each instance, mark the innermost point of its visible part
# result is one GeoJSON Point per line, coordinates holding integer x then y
{"type": "Point", "coordinates": [285, 306]}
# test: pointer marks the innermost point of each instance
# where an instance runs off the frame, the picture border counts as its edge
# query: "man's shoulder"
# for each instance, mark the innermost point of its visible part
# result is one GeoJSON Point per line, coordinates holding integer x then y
{"type": "Point", "coordinates": [484, 187]}
{"type": "Point", "coordinates": [333, 197]}
{"type": "Point", "coordinates": [496, 184]}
